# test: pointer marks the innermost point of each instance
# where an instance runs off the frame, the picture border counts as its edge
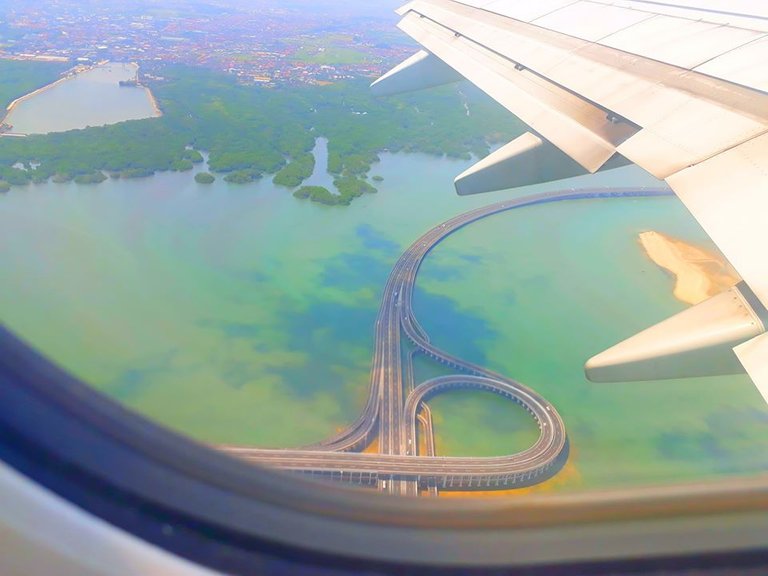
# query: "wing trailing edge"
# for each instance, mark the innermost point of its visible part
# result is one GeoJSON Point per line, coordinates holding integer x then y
{"type": "Point", "coordinates": [422, 70]}
{"type": "Point", "coordinates": [526, 160]}
{"type": "Point", "coordinates": [698, 341]}
{"type": "Point", "coordinates": [585, 132]}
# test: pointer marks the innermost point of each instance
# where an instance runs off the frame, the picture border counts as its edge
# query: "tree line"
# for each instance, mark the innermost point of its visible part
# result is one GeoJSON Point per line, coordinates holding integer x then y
{"type": "Point", "coordinates": [250, 131]}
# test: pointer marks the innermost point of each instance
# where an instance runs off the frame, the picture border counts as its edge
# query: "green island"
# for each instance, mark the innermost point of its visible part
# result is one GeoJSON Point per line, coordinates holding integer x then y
{"type": "Point", "coordinates": [94, 177]}
{"type": "Point", "coordinates": [349, 188]}
{"type": "Point", "coordinates": [296, 171]}
{"type": "Point", "coordinates": [242, 176]}
{"type": "Point", "coordinates": [204, 178]}
{"type": "Point", "coordinates": [316, 193]}
{"type": "Point", "coordinates": [250, 131]}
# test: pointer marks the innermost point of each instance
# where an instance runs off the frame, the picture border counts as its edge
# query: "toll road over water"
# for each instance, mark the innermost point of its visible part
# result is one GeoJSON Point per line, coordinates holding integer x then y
{"type": "Point", "coordinates": [395, 412]}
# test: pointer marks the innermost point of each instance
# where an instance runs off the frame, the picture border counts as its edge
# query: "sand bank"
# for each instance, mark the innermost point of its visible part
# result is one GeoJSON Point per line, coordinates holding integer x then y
{"type": "Point", "coordinates": [153, 102]}
{"type": "Point", "coordinates": [699, 273]}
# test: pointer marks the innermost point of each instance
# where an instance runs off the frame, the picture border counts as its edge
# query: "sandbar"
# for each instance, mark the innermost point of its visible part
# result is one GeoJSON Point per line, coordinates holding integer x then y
{"type": "Point", "coordinates": [699, 273]}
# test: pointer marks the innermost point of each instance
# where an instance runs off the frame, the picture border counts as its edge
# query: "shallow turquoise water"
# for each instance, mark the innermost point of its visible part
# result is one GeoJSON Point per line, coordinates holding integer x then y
{"type": "Point", "coordinates": [240, 314]}
{"type": "Point", "coordinates": [534, 302]}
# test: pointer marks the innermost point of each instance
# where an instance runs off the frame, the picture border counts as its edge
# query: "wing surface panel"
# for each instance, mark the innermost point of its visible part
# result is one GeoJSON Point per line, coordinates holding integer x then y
{"type": "Point", "coordinates": [739, 13]}
{"type": "Point", "coordinates": [524, 11]}
{"type": "Point", "coordinates": [686, 117]}
{"type": "Point", "coordinates": [669, 33]}
{"type": "Point", "coordinates": [678, 41]}
{"type": "Point", "coordinates": [728, 195]}
{"type": "Point", "coordinates": [574, 125]}
{"type": "Point", "coordinates": [591, 22]}
{"type": "Point", "coordinates": [746, 65]}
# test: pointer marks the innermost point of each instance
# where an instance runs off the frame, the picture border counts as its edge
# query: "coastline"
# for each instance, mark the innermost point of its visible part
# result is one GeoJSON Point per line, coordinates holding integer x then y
{"type": "Point", "coordinates": [153, 102]}
{"type": "Point", "coordinates": [69, 75]}
{"type": "Point", "coordinates": [699, 273]}
{"type": "Point", "coordinates": [150, 96]}
{"type": "Point", "coordinates": [26, 97]}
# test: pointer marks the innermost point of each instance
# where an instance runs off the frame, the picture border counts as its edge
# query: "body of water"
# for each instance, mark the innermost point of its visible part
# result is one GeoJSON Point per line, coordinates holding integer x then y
{"type": "Point", "coordinates": [240, 314]}
{"type": "Point", "coordinates": [320, 175]}
{"type": "Point", "coordinates": [92, 98]}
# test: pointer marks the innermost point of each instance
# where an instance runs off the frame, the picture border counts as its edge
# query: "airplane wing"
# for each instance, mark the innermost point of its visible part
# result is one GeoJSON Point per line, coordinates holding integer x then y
{"type": "Point", "coordinates": [678, 87]}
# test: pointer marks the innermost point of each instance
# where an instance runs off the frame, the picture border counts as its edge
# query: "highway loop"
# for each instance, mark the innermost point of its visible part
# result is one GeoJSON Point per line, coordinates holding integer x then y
{"type": "Point", "coordinates": [395, 404]}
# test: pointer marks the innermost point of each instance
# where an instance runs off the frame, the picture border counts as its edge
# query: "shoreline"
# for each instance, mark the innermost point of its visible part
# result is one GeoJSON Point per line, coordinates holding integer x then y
{"type": "Point", "coordinates": [153, 102]}
{"type": "Point", "coordinates": [150, 95]}
{"type": "Point", "coordinates": [70, 75]}
{"type": "Point", "coordinates": [67, 75]}
{"type": "Point", "coordinates": [699, 273]}
{"type": "Point", "coordinates": [26, 97]}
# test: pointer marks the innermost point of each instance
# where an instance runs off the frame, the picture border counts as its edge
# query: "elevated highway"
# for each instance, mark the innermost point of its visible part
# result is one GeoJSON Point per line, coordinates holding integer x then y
{"type": "Point", "coordinates": [395, 404]}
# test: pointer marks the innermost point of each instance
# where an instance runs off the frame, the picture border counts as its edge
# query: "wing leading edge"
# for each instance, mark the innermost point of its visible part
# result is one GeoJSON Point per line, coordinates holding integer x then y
{"type": "Point", "coordinates": [678, 88]}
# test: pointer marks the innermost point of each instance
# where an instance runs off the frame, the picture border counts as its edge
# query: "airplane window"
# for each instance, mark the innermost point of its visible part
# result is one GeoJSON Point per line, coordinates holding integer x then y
{"type": "Point", "coordinates": [208, 216]}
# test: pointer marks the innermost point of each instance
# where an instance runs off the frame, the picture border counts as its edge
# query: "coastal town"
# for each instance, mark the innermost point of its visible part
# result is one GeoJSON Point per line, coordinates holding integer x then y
{"type": "Point", "coordinates": [262, 42]}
